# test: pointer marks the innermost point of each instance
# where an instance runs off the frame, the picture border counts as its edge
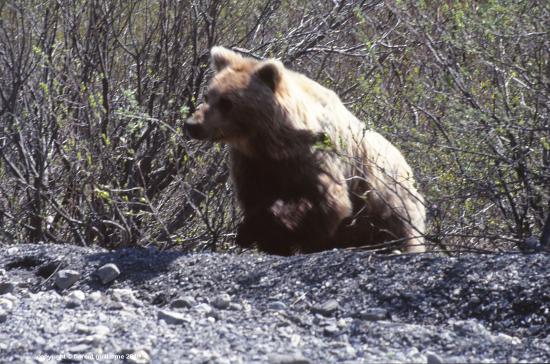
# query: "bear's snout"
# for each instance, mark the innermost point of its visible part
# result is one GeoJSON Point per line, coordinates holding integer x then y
{"type": "Point", "coordinates": [194, 128]}
{"type": "Point", "coordinates": [194, 125]}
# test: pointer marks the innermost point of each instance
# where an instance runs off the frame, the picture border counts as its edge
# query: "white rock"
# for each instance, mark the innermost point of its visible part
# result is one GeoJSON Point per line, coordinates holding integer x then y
{"type": "Point", "coordinates": [3, 315]}
{"type": "Point", "coordinates": [66, 278]}
{"type": "Point", "coordinates": [108, 273]}
{"type": "Point", "coordinates": [171, 317]}
{"type": "Point", "coordinates": [6, 304]}
{"type": "Point", "coordinates": [138, 357]}
{"type": "Point", "coordinates": [77, 295]}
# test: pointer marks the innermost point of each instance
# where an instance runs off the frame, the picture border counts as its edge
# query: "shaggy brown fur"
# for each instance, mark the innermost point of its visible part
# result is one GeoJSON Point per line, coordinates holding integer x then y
{"type": "Point", "coordinates": [307, 174]}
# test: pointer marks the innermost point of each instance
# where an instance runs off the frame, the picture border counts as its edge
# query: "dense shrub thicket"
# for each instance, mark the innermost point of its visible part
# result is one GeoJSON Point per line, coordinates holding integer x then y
{"type": "Point", "coordinates": [93, 94]}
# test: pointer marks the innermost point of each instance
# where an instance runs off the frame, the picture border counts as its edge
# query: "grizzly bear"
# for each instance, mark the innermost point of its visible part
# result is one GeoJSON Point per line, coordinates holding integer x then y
{"type": "Point", "coordinates": [308, 175]}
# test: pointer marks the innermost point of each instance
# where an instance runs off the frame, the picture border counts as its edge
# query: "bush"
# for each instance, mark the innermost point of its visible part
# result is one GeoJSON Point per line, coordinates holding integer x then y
{"type": "Point", "coordinates": [92, 95]}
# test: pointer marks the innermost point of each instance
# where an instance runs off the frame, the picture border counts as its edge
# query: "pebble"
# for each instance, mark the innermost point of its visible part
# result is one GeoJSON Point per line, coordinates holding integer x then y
{"type": "Point", "coordinates": [12, 250]}
{"type": "Point", "coordinates": [72, 303]}
{"type": "Point", "coordinates": [221, 301]}
{"type": "Point", "coordinates": [79, 348]}
{"type": "Point", "coordinates": [183, 302]}
{"type": "Point", "coordinates": [341, 323]}
{"type": "Point", "coordinates": [3, 315]}
{"type": "Point", "coordinates": [135, 356]}
{"type": "Point", "coordinates": [204, 308]}
{"type": "Point", "coordinates": [140, 356]}
{"type": "Point", "coordinates": [125, 295]}
{"type": "Point", "coordinates": [374, 314]}
{"type": "Point", "coordinates": [11, 297]}
{"type": "Point", "coordinates": [327, 308]}
{"type": "Point", "coordinates": [276, 306]}
{"type": "Point", "coordinates": [77, 294]}
{"type": "Point", "coordinates": [6, 304]}
{"type": "Point", "coordinates": [74, 299]}
{"type": "Point", "coordinates": [66, 278]}
{"type": "Point", "coordinates": [6, 287]}
{"type": "Point", "coordinates": [171, 317]}
{"type": "Point", "coordinates": [292, 358]}
{"type": "Point", "coordinates": [331, 330]}
{"type": "Point", "coordinates": [95, 296]}
{"type": "Point", "coordinates": [233, 306]}
{"type": "Point", "coordinates": [101, 330]}
{"type": "Point", "coordinates": [433, 358]}
{"type": "Point", "coordinates": [108, 273]}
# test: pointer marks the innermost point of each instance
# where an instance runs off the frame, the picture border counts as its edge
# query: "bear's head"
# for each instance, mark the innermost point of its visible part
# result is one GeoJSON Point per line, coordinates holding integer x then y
{"type": "Point", "coordinates": [241, 94]}
{"type": "Point", "coordinates": [246, 105]}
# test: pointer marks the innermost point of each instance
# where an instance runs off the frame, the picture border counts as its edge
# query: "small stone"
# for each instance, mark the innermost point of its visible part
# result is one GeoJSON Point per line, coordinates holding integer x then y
{"type": "Point", "coordinates": [172, 318]}
{"type": "Point", "coordinates": [125, 295]}
{"type": "Point", "coordinates": [374, 314]}
{"type": "Point", "coordinates": [327, 308]}
{"type": "Point", "coordinates": [135, 356]}
{"type": "Point", "coordinates": [66, 278]}
{"type": "Point", "coordinates": [292, 358]}
{"type": "Point", "coordinates": [341, 323]}
{"type": "Point", "coordinates": [6, 305]}
{"type": "Point", "coordinates": [343, 350]}
{"type": "Point", "coordinates": [203, 308]}
{"type": "Point", "coordinates": [12, 250]}
{"type": "Point", "coordinates": [108, 273]}
{"type": "Point", "coordinates": [72, 303]}
{"type": "Point", "coordinates": [222, 301]}
{"type": "Point", "coordinates": [80, 348]}
{"type": "Point", "coordinates": [10, 297]}
{"type": "Point", "coordinates": [95, 335]}
{"type": "Point", "coordinates": [295, 340]}
{"type": "Point", "coordinates": [138, 357]}
{"type": "Point", "coordinates": [74, 299]}
{"type": "Point", "coordinates": [277, 306]}
{"type": "Point", "coordinates": [350, 351]}
{"type": "Point", "coordinates": [77, 294]}
{"type": "Point", "coordinates": [6, 287]}
{"type": "Point", "coordinates": [39, 341]}
{"type": "Point", "coordinates": [96, 330]}
{"type": "Point", "coordinates": [331, 330]}
{"type": "Point", "coordinates": [183, 302]}
{"type": "Point", "coordinates": [95, 296]}
{"type": "Point", "coordinates": [233, 306]}
{"type": "Point", "coordinates": [511, 340]}
{"type": "Point", "coordinates": [101, 330]}
{"type": "Point", "coordinates": [3, 316]}
{"type": "Point", "coordinates": [433, 358]}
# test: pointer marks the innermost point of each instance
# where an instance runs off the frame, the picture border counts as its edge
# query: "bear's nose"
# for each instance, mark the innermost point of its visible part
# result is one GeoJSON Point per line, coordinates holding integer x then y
{"type": "Point", "coordinates": [193, 129]}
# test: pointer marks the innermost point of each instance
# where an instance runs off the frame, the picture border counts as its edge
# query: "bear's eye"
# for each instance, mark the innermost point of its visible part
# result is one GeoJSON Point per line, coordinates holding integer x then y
{"type": "Point", "coordinates": [225, 104]}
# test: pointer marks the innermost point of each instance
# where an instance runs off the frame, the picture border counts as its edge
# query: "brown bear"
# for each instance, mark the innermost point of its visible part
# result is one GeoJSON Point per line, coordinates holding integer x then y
{"type": "Point", "coordinates": [308, 175]}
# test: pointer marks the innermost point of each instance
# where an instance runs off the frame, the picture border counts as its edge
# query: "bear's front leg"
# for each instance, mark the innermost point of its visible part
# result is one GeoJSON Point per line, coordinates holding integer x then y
{"type": "Point", "coordinates": [263, 230]}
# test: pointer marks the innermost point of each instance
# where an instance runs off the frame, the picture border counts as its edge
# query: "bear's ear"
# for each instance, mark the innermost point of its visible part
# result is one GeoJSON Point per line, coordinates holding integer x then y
{"type": "Point", "coordinates": [270, 72]}
{"type": "Point", "coordinates": [223, 57]}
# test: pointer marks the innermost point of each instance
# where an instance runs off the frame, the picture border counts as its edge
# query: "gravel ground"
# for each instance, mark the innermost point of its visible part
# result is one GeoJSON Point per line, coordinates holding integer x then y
{"type": "Point", "coordinates": [142, 305]}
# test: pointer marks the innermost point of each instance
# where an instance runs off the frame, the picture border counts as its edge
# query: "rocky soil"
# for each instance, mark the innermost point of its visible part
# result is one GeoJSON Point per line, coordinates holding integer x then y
{"type": "Point", "coordinates": [73, 304]}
